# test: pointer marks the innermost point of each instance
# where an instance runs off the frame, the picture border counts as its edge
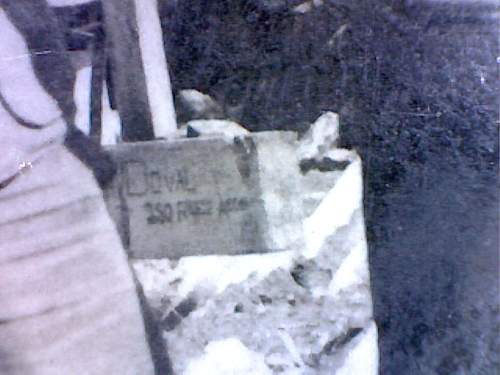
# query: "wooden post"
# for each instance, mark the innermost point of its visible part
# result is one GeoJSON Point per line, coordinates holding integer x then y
{"type": "Point", "coordinates": [155, 67]}
{"type": "Point", "coordinates": [127, 70]}
{"type": "Point", "coordinates": [96, 86]}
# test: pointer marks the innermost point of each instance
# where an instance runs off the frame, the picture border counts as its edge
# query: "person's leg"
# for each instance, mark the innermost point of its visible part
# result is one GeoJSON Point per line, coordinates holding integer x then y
{"type": "Point", "coordinates": [69, 303]}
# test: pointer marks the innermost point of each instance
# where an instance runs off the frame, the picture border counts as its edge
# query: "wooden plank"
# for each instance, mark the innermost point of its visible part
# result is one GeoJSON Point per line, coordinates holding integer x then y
{"type": "Point", "coordinates": [155, 67]}
{"type": "Point", "coordinates": [127, 70]}
{"type": "Point", "coordinates": [97, 82]}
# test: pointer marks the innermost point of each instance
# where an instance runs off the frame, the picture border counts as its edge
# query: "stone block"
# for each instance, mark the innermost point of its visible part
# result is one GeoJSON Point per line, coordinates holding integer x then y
{"type": "Point", "coordinates": [202, 196]}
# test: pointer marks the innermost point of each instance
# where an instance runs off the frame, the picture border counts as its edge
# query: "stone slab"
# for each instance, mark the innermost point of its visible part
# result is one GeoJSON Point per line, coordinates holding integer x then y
{"type": "Point", "coordinates": [189, 197]}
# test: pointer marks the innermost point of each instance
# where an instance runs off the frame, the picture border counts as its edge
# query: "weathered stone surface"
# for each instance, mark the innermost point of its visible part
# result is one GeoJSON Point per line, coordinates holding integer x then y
{"type": "Point", "coordinates": [203, 196]}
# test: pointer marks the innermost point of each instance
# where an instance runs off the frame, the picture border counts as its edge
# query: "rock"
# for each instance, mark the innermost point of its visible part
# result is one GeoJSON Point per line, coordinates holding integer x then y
{"type": "Point", "coordinates": [214, 360]}
{"type": "Point", "coordinates": [193, 105]}
{"type": "Point", "coordinates": [321, 137]}
{"type": "Point", "coordinates": [307, 6]}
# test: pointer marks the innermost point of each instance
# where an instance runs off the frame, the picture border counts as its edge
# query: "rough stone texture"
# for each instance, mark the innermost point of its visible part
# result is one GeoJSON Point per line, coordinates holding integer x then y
{"type": "Point", "coordinates": [215, 195]}
{"type": "Point", "coordinates": [305, 311]}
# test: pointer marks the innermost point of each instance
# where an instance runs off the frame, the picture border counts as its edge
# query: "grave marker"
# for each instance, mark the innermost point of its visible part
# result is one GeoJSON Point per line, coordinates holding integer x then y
{"type": "Point", "coordinates": [191, 196]}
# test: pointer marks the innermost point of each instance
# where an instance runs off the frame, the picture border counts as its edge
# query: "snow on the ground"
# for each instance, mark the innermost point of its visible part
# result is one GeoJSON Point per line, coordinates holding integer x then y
{"type": "Point", "coordinates": [363, 358]}
{"type": "Point", "coordinates": [335, 210]}
{"type": "Point", "coordinates": [228, 357]}
{"type": "Point", "coordinates": [304, 311]}
{"type": "Point", "coordinates": [111, 132]}
{"type": "Point", "coordinates": [212, 273]}
{"type": "Point", "coordinates": [81, 94]}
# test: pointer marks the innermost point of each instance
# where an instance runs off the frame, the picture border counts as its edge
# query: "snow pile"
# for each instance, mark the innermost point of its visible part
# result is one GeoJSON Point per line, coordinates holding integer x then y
{"type": "Point", "coordinates": [215, 360]}
{"type": "Point", "coordinates": [303, 311]}
{"type": "Point", "coordinates": [192, 105]}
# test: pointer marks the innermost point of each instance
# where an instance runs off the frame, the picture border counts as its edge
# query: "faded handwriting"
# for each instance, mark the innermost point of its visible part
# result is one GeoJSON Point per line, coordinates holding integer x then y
{"type": "Point", "coordinates": [163, 213]}
{"type": "Point", "coordinates": [140, 179]}
{"type": "Point", "coordinates": [184, 210]}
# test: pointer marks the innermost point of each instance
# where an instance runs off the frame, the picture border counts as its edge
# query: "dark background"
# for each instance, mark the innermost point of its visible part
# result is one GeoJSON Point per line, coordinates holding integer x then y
{"type": "Point", "coordinates": [416, 87]}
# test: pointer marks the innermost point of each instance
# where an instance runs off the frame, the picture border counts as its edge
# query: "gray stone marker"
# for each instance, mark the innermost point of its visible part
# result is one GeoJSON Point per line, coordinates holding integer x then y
{"type": "Point", "coordinates": [191, 196]}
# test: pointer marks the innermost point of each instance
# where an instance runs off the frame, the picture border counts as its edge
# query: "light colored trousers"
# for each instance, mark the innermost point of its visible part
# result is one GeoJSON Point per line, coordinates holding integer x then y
{"type": "Point", "coordinates": [68, 304]}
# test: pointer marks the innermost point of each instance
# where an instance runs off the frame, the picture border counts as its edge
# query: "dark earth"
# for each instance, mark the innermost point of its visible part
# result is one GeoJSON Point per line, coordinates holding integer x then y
{"type": "Point", "coordinates": [416, 87]}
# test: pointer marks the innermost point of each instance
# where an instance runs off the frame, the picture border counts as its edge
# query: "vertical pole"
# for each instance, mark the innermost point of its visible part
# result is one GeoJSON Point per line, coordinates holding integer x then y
{"type": "Point", "coordinates": [129, 78]}
{"type": "Point", "coordinates": [155, 67]}
{"type": "Point", "coordinates": [96, 86]}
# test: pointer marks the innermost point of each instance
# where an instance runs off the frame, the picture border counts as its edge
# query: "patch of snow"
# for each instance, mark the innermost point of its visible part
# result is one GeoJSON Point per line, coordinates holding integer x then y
{"type": "Point", "coordinates": [335, 210]}
{"type": "Point", "coordinates": [218, 272]}
{"type": "Point", "coordinates": [218, 127]}
{"type": "Point", "coordinates": [363, 359]}
{"type": "Point", "coordinates": [291, 347]}
{"type": "Point", "coordinates": [352, 272]}
{"type": "Point", "coordinates": [341, 154]}
{"type": "Point", "coordinates": [81, 95]}
{"type": "Point", "coordinates": [111, 122]}
{"type": "Point", "coordinates": [228, 357]}
{"type": "Point", "coordinates": [155, 277]}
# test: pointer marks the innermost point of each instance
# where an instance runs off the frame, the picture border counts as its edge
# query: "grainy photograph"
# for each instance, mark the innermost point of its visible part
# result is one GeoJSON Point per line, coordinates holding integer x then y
{"type": "Point", "coordinates": [249, 187]}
